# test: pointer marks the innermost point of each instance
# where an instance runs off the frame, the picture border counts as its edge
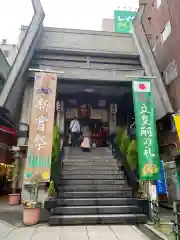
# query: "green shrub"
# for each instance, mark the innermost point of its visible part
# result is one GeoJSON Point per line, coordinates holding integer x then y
{"type": "Point", "coordinates": [51, 190]}
{"type": "Point", "coordinates": [56, 144]}
{"type": "Point", "coordinates": [125, 142]}
{"type": "Point", "coordinates": [119, 133]}
{"type": "Point", "coordinates": [132, 155]}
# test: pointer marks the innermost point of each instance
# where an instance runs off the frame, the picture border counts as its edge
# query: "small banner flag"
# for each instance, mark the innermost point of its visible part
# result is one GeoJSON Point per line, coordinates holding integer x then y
{"type": "Point", "coordinates": [142, 87]}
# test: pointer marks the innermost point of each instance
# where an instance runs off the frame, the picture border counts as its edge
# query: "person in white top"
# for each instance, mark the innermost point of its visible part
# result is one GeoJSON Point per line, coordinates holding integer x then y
{"type": "Point", "coordinates": [75, 130]}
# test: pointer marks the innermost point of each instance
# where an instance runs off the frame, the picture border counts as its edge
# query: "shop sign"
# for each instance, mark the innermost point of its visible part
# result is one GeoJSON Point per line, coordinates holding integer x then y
{"type": "Point", "coordinates": [177, 124]}
{"type": "Point", "coordinates": [149, 162]}
{"type": "Point", "coordinates": [161, 183]}
{"type": "Point", "coordinates": [41, 127]}
{"type": "Point", "coordinates": [113, 108]}
{"type": "Point", "coordinates": [123, 21]}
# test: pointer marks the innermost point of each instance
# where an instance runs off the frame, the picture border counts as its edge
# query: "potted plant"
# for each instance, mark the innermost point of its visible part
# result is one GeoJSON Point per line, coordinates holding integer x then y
{"type": "Point", "coordinates": [31, 214]}
{"type": "Point", "coordinates": [14, 197]}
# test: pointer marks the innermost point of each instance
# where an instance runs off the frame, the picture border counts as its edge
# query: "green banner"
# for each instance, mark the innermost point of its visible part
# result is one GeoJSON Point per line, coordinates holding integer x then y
{"type": "Point", "coordinates": [178, 171]}
{"type": "Point", "coordinates": [148, 154]}
{"type": "Point", "coordinates": [123, 21]}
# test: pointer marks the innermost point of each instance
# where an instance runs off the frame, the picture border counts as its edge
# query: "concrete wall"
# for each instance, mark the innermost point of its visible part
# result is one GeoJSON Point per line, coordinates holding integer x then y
{"type": "Point", "coordinates": [4, 66]}
{"type": "Point", "coordinates": [89, 67]}
{"type": "Point", "coordinates": [86, 41]}
{"type": "Point", "coordinates": [95, 74]}
{"type": "Point", "coordinates": [26, 109]}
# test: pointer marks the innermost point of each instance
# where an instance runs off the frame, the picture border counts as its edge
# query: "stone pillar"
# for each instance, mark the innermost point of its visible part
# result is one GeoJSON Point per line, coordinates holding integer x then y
{"type": "Point", "coordinates": [25, 112]}
{"type": "Point", "coordinates": [24, 126]}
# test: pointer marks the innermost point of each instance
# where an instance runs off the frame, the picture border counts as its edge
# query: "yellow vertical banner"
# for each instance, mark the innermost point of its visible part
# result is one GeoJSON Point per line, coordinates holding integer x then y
{"type": "Point", "coordinates": [41, 127]}
{"type": "Point", "coordinates": [177, 124]}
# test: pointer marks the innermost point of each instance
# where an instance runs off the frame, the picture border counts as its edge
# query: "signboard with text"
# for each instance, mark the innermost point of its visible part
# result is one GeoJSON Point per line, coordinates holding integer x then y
{"type": "Point", "coordinates": [148, 154]}
{"type": "Point", "coordinates": [176, 118]}
{"type": "Point", "coordinates": [41, 127]}
{"type": "Point", "coordinates": [161, 183]}
{"type": "Point", "coordinates": [123, 21]}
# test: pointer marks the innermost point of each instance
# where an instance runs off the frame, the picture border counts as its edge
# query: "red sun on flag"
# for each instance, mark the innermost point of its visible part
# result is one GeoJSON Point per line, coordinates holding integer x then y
{"type": "Point", "coordinates": [142, 86]}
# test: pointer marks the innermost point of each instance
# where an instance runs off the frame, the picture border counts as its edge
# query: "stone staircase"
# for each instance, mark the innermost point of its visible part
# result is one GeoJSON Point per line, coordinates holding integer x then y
{"type": "Point", "coordinates": [93, 190]}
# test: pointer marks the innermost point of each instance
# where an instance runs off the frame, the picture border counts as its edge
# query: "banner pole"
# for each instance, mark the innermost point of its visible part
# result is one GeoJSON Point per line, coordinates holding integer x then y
{"type": "Point", "coordinates": [142, 77]}
{"type": "Point", "coordinates": [44, 70]}
{"type": "Point", "coordinates": [146, 135]}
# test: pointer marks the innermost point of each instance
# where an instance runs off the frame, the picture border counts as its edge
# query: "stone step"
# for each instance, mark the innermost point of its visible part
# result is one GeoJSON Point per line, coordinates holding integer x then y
{"type": "Point", "coordinates": [97, 219]}
{"type": "Point", "coordinates": [93, 187]}
{"type": "Point", "coordinates": [93, 182]}
{"type": "Point", "coordinates": [96, 201]}
{"type": "Point", "coordinates": [84, 210]}
{"type": "Point", "coordinates": [91, 163]}
{"type": "Point", "coordinates": [92, 177]}
{"type": "Point", "coordinates": [92, 172]}
{"type": "Point", "coordinates": [88, 158]}
{"type": "Point", "coordinates": [95, 194]}
{"type": "Point", "coordinates": [90, 167]}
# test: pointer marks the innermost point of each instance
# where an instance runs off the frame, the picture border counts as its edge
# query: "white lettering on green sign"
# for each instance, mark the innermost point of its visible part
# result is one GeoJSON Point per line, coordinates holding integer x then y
{"type": "Point", "coordinates": [146, 131]}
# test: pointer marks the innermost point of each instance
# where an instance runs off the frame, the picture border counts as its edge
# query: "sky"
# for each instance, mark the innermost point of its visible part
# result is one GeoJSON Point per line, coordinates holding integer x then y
{"type": "Point", "coordinates": [77, 14]}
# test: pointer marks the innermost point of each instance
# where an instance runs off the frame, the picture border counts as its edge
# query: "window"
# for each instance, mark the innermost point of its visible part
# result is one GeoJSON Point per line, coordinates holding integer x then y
{"type": "Point", "coordinates": [171, 72]}
{"type": "Point", "coordinates": [166, 32]}
{"type": "Point", "coordinates": [158, 3]}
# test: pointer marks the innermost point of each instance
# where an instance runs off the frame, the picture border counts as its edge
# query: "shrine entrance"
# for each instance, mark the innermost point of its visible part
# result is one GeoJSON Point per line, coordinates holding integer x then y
{"type": "Point", "coordinates": [94, 104]}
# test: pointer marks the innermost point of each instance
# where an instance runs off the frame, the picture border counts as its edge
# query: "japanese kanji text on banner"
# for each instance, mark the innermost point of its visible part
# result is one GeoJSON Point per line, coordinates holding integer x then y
{"type": "Point", "coordinates": [41, 127]}
{"type": "Point", "coordinates": [148, 154]}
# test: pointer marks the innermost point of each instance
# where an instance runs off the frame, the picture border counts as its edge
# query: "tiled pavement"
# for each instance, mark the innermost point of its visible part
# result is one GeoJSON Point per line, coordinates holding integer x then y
{"type": "Point", "coordinates": [8, 232]}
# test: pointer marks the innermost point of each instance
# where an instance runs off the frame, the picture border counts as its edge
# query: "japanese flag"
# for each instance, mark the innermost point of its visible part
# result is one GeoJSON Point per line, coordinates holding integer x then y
{"type": "Point", "coordinates": [140, 86]}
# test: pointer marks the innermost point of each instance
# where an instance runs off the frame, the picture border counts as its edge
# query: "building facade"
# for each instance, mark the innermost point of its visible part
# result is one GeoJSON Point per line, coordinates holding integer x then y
{"type": "Point", "coordinates": [6, 137]}
{"type": "Point", "coordinates": [9, 50]}
{"type": "Point", "coordinates": [161, 22]}
{"type": "Point", "coordinates": [107, 25]}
